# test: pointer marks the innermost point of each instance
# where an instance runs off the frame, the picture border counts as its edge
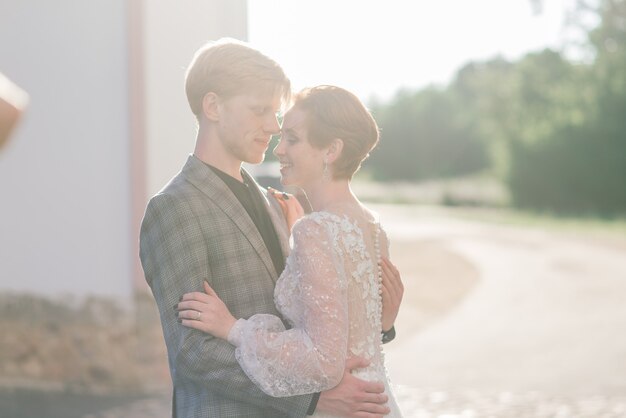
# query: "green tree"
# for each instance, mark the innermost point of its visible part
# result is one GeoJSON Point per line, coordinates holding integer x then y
{"type": "Point", "coordinates": [424, 136]}
{"type": "Point", "coordinates": [578, 164]}
{"type": "Point", "coordinates": [485, 93]}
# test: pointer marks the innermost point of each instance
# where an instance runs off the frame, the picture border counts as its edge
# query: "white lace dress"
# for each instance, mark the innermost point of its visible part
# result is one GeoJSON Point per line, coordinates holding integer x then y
{"type": "Point", "coordinates": [330, 294]}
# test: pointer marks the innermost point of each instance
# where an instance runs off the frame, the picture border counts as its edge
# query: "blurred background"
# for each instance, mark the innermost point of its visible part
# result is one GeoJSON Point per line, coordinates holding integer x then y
{"type": "Point", "coordinates": [500, 177]}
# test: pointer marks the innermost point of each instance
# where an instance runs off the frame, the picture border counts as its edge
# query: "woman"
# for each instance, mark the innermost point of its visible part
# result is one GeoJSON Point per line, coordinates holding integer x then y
{"type": "Point", "coordinates": [330, 290]}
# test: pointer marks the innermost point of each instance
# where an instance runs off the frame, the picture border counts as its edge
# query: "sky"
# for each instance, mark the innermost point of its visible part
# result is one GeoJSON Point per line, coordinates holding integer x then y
{"type": "Point", "coordinates": [374, 48]}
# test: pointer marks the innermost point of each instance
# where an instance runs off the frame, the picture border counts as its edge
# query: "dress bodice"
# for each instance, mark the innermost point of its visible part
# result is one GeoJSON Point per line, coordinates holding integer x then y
{"type": "Point", "coordinates": [356, 264]}
{"type": "Point", "coordinates": [329, 293]}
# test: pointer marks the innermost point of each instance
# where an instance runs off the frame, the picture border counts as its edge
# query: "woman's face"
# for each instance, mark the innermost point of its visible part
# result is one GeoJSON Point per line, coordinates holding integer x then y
{"type": "Point", "coordinates": [301, 164]}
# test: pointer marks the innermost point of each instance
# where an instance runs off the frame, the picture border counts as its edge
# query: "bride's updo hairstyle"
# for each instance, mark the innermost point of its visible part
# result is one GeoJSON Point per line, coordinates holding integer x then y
{"type": "Point", "coordinates": [331, 113]}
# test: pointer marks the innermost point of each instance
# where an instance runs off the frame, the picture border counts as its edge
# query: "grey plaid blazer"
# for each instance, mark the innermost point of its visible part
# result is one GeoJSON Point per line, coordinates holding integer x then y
{"type": "Point", "coordinates": [195, 229]}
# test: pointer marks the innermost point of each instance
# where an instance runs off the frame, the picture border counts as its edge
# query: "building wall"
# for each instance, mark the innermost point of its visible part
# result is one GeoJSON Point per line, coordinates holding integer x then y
{"type": "Point", "coordinates": [106, 127]}
{"type": "Point", "coordinates": [64, 211]}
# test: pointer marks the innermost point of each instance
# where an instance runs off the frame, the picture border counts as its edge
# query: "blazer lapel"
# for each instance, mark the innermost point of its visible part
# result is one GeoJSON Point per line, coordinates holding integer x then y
{"type": "Point", "coordinates": [203, 178]}
{"type": "Point", "coordinates": [276, 215]}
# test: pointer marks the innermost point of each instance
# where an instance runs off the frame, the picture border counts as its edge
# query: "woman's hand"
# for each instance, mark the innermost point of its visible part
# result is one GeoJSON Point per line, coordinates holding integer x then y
{"type": "Point", "coordinates": [205, 312]}
{"type": "Point", "coordinates": [393, 290]}
{"type": "Point", "coordinates": [292, 209]}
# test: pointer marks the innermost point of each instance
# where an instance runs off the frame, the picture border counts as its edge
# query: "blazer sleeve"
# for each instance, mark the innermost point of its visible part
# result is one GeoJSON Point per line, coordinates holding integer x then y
{"type": "Point", "coordinates": [174, 255]}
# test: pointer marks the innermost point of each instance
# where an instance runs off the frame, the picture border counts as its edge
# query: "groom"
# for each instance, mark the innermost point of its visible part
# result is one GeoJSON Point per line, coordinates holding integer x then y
{"type": "Point", "coordinates": [213, 222]}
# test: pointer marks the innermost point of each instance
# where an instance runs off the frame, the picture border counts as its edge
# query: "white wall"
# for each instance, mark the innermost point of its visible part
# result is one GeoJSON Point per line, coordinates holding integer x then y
{"type": "Point", "coordinates": [68, 181]}
{"type": "Point", "coordinates": [64, 193]}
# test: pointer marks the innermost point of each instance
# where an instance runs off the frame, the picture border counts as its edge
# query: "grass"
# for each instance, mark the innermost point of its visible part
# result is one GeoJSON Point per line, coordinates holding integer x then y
{"type": "Point", "coordinates": [484, 199]}
{"type": "Point", "coordinates": [614, 226]}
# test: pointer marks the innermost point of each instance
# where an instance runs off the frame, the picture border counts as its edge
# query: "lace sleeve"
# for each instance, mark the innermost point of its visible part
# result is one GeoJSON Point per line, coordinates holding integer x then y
{"type": "Point", "coordinates": [311, 356]}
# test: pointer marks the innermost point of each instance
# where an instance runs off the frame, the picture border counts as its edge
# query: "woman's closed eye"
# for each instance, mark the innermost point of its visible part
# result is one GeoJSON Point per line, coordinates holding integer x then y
{"type": "Point", "coordinates": [289, 137]}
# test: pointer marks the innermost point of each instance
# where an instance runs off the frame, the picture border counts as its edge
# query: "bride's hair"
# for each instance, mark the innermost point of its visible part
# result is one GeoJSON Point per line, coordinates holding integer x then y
{"type": "Point", "coordinates": [331, 113]}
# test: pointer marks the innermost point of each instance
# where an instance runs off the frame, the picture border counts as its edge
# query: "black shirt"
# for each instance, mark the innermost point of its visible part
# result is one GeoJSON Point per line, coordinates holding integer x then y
{"type": "Point", "coordinates": [250, 198]}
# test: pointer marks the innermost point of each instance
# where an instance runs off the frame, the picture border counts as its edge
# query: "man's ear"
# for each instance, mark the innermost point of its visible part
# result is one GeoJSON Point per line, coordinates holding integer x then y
{"type": "Point", "coordinates": [210, 106]}
{"type": "Point", "coordinates": [334, 150]}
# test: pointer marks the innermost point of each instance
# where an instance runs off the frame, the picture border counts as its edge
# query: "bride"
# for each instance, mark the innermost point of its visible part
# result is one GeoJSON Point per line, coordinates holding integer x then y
{"type": "Point", "coordinates": [330, 291]}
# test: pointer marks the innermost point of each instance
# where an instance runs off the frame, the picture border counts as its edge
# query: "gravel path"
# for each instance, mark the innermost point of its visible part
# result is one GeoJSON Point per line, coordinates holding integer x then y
{"type": "Point", "coordinates": [540, 335]}
{"type": "Point", "coordinates": [433, 403]}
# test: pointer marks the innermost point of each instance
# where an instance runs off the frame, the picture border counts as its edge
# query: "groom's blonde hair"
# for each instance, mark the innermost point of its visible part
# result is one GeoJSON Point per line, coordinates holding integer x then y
{"type": "Point", "coordinates": [229, 67]}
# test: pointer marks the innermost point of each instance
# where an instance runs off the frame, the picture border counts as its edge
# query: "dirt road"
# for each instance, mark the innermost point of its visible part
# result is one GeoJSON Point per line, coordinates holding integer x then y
{"type": "Point", "coordinates": [541, 324]}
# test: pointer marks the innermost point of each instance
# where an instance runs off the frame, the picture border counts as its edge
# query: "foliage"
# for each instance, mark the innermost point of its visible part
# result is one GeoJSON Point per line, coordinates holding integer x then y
{"type": "Point", "coordinates": [554, 129]}
{"type": "Point", "coordinates": [424, 135]}
{"type": "Point", "coordinates": [579, 166]}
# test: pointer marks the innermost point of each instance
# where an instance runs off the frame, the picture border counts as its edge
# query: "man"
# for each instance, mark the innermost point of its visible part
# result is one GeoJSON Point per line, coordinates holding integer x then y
{"type": "Point", "coordinates": [213, 222]}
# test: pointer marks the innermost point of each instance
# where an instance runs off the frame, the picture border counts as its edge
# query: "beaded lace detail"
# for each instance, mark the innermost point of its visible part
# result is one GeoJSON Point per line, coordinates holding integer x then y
{"type": "Point", "coordinates": [329, 293]}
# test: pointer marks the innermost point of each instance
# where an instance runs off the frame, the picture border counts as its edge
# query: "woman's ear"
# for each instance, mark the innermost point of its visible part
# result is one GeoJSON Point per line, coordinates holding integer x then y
{"type": "Point", "coordinates": [210, 106]}
{"type": "Point", "coordinates": [334, 150]}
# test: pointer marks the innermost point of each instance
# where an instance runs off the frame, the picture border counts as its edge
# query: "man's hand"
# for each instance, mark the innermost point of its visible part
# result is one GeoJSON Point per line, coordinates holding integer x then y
{"type": "Point", "coordinates": [354, 397]}
{"type": "Point", "coordinates": [393, 290]}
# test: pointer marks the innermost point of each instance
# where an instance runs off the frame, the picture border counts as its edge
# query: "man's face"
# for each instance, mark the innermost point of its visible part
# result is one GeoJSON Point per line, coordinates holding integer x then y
{"type": "Point", "coordinates": [247, 123]}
